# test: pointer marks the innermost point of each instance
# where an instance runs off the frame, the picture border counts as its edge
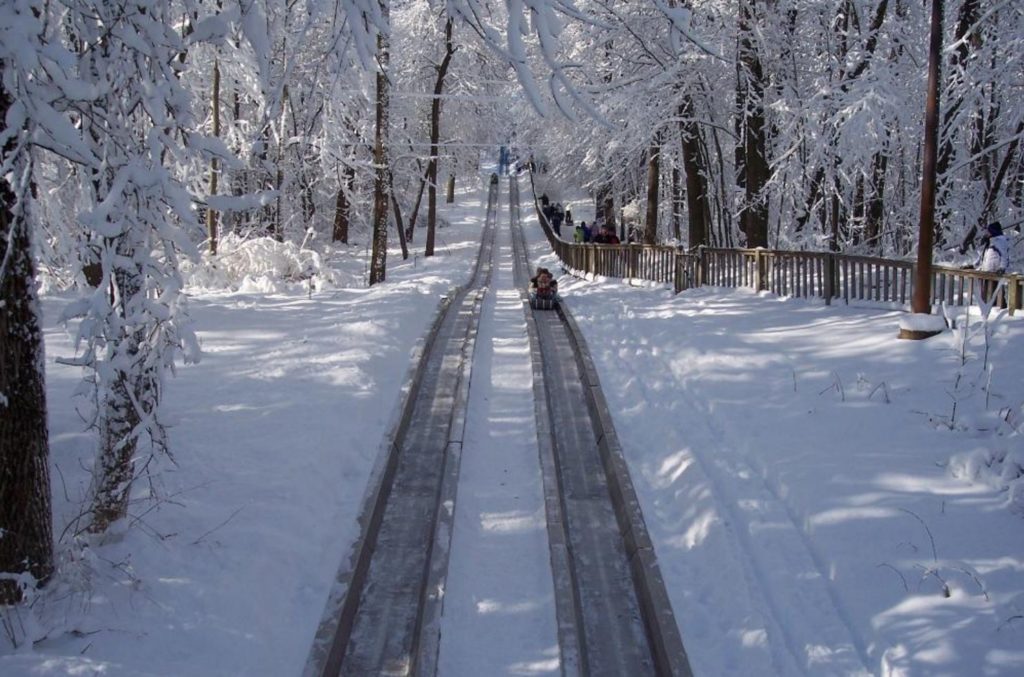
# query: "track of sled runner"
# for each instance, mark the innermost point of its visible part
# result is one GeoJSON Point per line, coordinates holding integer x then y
{"type": "Point", "coordinates": [622, 623]}
{"type": "Point", "coordinates": [388, 619]}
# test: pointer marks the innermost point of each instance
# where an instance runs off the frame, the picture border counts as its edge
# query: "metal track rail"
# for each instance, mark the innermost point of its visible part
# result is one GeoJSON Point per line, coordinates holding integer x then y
{"type": "Point", "coordinates": [614, 616]}
{"type": "Point", "coordinates": [387, 620]}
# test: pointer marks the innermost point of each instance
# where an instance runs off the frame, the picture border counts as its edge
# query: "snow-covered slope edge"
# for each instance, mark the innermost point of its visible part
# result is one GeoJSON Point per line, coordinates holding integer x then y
{"type": "Point", "coordinates": [275, 436]}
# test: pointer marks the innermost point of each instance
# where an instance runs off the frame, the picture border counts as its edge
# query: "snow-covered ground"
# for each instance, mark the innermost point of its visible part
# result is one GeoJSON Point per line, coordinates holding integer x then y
{"type": "Point", "coordinates": [825, 499]}
{"type": "Point", "coordinates": [499, 614]}
{"type": "Point", "coordinates": [274, 435]}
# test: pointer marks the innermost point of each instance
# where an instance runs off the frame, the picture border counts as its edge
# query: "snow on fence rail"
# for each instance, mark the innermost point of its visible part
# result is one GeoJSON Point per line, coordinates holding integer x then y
{"type": "Point", "coordinates": [787, 273]}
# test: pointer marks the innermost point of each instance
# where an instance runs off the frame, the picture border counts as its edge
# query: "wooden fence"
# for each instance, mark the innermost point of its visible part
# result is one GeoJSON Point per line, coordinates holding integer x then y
{"type": "Point", "coordinates": [787, 273]}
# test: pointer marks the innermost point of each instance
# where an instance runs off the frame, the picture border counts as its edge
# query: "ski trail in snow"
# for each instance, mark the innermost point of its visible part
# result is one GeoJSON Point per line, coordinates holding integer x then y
{"type": "Point", "coordinates": [782, 568]}
{"type": "Point", "coordinates": [760, 621]}
{"type": "Point", "coordinates": [776, 550]}
{"type": "Point", "coordinates": [771, 484]}
{"type": "Point", "coordinates": [499, 613]}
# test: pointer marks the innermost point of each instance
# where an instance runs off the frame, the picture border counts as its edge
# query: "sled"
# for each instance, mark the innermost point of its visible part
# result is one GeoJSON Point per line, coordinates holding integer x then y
{"type": "Point", "coordinates": [543, 302]}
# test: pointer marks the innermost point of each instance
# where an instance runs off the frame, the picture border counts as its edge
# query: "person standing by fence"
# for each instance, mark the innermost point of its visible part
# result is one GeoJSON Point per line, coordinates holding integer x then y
{"type": "Point", "coordinates": [556, 221]}
{"type": "Point", "coordinates": [993, 257]}
{"type": "Point", "coordinates": [994, 253]}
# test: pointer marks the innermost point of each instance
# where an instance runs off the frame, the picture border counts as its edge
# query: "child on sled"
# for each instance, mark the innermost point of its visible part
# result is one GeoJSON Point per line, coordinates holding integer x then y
{"type": "Point", "coordinates": [543, 290]}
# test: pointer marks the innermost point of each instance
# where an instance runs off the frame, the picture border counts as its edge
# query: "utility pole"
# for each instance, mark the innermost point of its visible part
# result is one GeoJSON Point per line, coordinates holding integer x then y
{"type": "Point", "coordinates": [921, 300]}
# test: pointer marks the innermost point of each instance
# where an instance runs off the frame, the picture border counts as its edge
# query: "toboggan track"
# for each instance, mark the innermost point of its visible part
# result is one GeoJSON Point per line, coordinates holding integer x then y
{"type": "Point", "coordinates": [612, 611]}
{"type": "Point", "coordinates": [614, 615]}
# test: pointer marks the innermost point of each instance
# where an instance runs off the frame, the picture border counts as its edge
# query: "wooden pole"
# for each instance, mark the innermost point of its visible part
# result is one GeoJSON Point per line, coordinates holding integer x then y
{"type": "Point", "coordinates": [921, 300]}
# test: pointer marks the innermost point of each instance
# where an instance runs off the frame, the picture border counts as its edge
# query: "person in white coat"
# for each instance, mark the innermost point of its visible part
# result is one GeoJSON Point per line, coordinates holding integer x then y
{"type": "Point", "coordinates": [993, 257]}
{"type": "Point", "coordinates": [994, 250]}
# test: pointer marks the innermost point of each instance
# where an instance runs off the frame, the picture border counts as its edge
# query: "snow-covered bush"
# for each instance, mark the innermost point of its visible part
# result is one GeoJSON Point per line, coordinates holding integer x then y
{"type": "Point", "coordinates": [1000, 466]}
{"type": "Point", "coordinates": [262, 264]}
{"type": "Point", "coordinates": [631, 212]}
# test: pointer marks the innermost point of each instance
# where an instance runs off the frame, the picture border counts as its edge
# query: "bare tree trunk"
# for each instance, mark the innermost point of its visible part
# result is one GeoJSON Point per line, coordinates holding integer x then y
{"type": "Point", "coordinates": [875, 213]}
{"type": "Point", "coordinates": [382, 184]}
{"type": "Point", "coordinates": [266, 218]}
{"type": "Point", "coordinates": [856, 227]}
{"type": "Point", "coordinates": [812, 198]}
{"type": "Point", "coordinates": [817, 183]}
{"type": "Point", "coordinates": [279, 170]}
{"type": "Point", "coordinates": [211, 213]}
{"type": "Point", "coordinates": [696, 177]}
{"type": "Point", "coordinates": [239, 181]}
{"type": "Point", "coordinates": [398, 224]}
{"type": "Point", "coordinates": [599, 200]}
{"type": "Point", "coordinates": [608, 209]}
{"type": "Point", "coordinates": [997, 183]}
{"type": "Point", "coordinates": [722, 236]}
{"type": "Point", "coordinates": [992, 192]}
{"type": "Point", "coordinates": [435, 136]}
{"type": "Point", "coordinates": [677, 203]}
{"type": "Point", "coordinates": [409, 229]}
{"type": "Point", "coordinates": [26, 529]}
{"type": "Point", "coordinates": [755, 159]}
{"type": "Point", "coordinates": [968, 16]}
{"type": "Point", "coordinates": [342, 206]}
{"type": "Point", "coordinates": [112, 479]}
{"type": "Point", "coordinates": [119, 419]}
{"type": "Point", "coordinates": [653, 181]}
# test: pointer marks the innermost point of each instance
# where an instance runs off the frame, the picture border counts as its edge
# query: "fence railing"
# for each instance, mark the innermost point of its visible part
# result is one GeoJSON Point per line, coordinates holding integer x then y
{"type": "Point", "coordinates": [824, 275]}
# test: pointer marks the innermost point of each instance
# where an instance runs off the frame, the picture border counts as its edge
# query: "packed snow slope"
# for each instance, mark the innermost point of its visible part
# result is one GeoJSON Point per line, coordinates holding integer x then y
{"type": "Point", "coordinates": [825, 499]}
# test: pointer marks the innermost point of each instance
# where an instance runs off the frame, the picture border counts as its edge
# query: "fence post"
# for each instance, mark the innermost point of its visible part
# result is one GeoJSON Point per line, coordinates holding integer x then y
{"type": "Point", "coordinates": [702, 265]}
{"type": "Point", "coordinates": [761, 264]}
{"type": "Point", "coordinates": [828, 283]}
{"type": "Point", "coordinates": [912, 279]}
{"type": "Point", "coordinates": [677, 272]}
{"type": "Point", "coordinates": [1013, 292]}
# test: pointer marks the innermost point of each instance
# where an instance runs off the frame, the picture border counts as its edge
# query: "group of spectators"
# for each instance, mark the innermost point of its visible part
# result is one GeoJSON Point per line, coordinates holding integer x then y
{"type": "Point", "coordinates": [556, 215]}
{"type": "Point", "coordinates": [581, 232]}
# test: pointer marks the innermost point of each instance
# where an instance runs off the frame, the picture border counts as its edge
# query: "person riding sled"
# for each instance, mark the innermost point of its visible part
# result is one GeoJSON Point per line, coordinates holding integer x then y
{"type": "Point", "coordinates": [543, 290]}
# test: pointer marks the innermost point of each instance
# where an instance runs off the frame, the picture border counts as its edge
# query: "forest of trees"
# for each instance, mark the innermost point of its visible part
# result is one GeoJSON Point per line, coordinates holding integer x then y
{"type": "Point", "coordinates": [797, 124]}
{"type": "Point", "coordinates": [138, 134]}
